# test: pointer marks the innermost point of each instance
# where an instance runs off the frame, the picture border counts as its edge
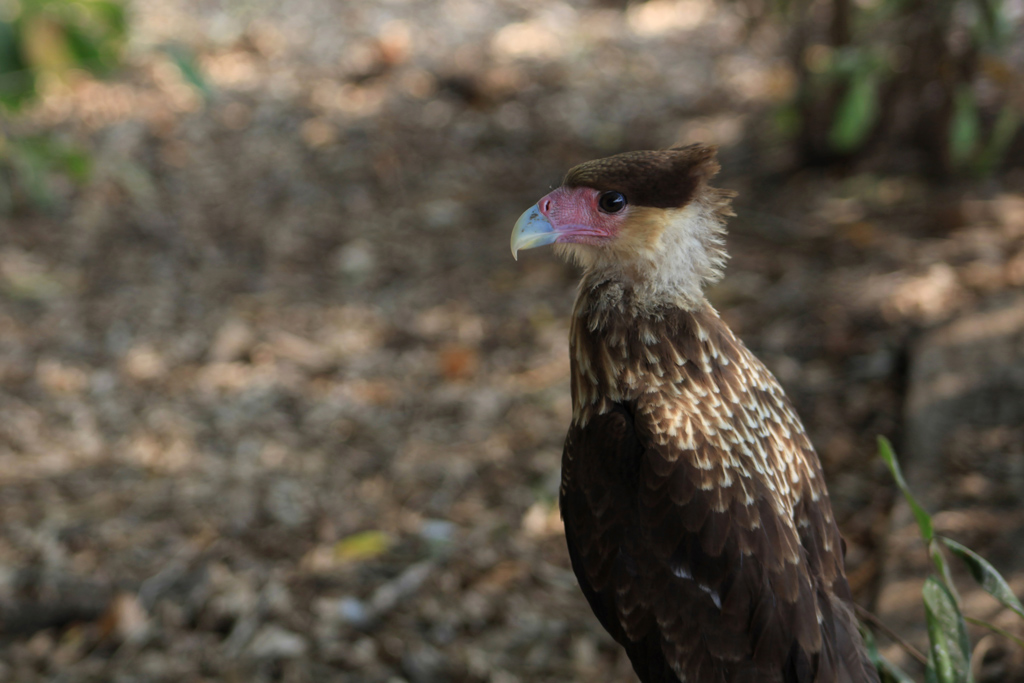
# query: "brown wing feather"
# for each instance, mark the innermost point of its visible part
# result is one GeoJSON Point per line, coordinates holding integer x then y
{"type": "Point", "coordinates": [695, 512]}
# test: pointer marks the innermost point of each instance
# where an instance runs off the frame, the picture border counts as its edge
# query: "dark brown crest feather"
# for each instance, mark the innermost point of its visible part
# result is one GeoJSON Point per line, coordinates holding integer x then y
{"type": "Point", "coordinates": [663, 179]}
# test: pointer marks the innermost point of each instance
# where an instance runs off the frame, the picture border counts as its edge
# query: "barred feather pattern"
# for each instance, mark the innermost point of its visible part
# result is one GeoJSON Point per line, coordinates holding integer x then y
{"type": "Point", "coordinates": [695, 509]}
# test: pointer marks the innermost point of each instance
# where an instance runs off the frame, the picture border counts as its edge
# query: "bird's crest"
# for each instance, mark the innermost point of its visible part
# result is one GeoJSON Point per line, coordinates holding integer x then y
{"type": "Point", "coordinates": [662, 179]}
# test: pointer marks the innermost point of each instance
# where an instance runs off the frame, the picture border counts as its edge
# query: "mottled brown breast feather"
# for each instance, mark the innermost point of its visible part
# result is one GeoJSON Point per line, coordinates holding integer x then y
{"type": "Point", "coordinates": [663, 179]}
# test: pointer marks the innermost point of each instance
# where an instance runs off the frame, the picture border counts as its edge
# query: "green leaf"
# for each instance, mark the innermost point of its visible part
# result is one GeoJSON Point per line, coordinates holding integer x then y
{"type": "Point", "coordinates": [34, 160]}
{"type": "Point", "coordinates": [95, 34]}
{"type": "Point", "coordinates": [855, 60]}
{"type": "Point", "coordinates": [950, 648]}
{"type": "Point", "coordinates": [857, 112]}
{"type": "Point", "coordinates": [986, 575]}
{"type": "Point", "coordinates": [77, 164]}
{"type": "Point", "coordinates": [10, 50]}
{"type": "Point", "coordinates": [16, 88]}
{"type": "Point", "coordinates": [924, 520]}
{"type": "Point", "coordinates": [29, 161]}
{"type": "Point", "coordinates": [889, 8]}
{"type": "Point", "coordinates": [964, 127]}
{"type": "Point", "coordinates": [17, 82]}
{"type": "Point", "coordinates": [1003, 132]}
{"type": "Point", "coordinates": [994, 29]}
{"type": "Point", "coordinates": [365, 545]}
{"type": "Point", "coordinates": [57, 35]}
{"type": "Point", "coordinates": [85, 49]}
{"type": "Point", "coordinates": [111, 14]}
{"type": "Point", "coordinates": [787, 121]}
{"type": "Point", "coordinates": [886, 669]}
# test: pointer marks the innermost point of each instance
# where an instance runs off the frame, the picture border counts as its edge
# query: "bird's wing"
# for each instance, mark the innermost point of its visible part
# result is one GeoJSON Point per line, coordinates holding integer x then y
{"type": "Point", "coordinates": [705, 566]}
{"type": "Point", "coordinates": [597, 526]}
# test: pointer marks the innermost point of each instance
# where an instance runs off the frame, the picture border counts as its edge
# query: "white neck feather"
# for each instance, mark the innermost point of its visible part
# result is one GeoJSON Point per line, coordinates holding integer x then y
{"type": "Point", "coordinates": [689, 256]}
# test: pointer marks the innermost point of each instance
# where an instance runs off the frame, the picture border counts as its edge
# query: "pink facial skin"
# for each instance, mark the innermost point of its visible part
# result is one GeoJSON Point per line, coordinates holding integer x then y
{"type": "Point", "coordinates": [575, 216]}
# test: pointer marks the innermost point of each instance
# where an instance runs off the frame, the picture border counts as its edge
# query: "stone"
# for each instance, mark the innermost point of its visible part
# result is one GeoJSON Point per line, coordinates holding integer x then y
{"type": "Point", "coordinates": [274, 642]}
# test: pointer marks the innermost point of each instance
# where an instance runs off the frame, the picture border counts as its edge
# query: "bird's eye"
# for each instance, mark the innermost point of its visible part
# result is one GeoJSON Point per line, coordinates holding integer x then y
{"type": "Point", "coordinates": [612, 202]}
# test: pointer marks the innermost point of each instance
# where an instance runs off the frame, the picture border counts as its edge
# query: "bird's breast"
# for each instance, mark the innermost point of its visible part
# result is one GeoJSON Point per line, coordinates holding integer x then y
{"type": "Point", "coordinates": [694, 390]}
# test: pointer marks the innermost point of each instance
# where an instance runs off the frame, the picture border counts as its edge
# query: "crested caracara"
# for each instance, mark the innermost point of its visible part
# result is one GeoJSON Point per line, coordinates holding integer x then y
{"type": "Point", "coordinates": [695, 510]}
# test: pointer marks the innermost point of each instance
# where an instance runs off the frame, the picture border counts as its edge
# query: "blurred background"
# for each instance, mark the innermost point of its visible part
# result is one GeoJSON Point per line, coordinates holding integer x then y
{"type": "Point", "coordinates": [276, 404]}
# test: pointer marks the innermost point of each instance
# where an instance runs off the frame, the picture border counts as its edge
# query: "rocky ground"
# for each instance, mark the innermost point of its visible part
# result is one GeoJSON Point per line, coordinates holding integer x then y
{"type": "Point", "coordinates": [277, 404]}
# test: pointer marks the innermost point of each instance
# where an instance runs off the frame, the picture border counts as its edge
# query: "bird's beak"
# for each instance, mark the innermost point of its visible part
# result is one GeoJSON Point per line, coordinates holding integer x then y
{"type": "Point", "coordinates": [532, 230]}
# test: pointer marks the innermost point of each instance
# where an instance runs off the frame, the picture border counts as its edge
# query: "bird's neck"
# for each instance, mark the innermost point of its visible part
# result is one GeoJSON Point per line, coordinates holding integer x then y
{"type": "Point", "coordinates": [642, 292]}
{"type": "Point", "coordinates": [622, 345]}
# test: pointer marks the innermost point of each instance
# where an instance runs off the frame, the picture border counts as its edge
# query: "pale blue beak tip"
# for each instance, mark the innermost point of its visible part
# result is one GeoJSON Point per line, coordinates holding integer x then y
{"type": "Point", "coordinates": [532, 230]}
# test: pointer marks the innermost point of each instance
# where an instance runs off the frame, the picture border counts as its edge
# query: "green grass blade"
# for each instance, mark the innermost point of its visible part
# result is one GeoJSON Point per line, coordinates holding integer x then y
{"type": "Point", "coordinates": [924, 520]}
{"type": "Point", "coordinates": [939, 560]}
{"type": "Point", "coordinates": [950, 648]}
{"type": "Point", "coordinates": [986, 575]}
{"type": "Point", "coordinates": [995, 629]}
{"type": "Point", "coordinates": [886, 669]}
{"type": "Point", "coordinates": [185, 60]}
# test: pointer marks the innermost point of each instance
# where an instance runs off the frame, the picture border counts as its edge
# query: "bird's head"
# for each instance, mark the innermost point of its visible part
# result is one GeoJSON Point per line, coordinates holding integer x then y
{"type": "Point", "coordinates": [648, 218]}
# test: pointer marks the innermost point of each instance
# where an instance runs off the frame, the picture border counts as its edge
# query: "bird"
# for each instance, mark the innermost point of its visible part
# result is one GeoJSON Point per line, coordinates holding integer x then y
{"type": "Point", "coordinates": [696, 515]}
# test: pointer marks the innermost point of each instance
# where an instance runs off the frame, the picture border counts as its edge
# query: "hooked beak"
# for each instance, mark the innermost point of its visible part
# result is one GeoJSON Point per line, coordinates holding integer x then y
{"type": "Point", "coordinates": [532, 230]}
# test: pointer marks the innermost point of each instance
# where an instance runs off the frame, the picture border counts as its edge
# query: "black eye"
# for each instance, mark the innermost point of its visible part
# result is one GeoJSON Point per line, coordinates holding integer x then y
{"type": "Point", "coordinates": [612, 202]}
